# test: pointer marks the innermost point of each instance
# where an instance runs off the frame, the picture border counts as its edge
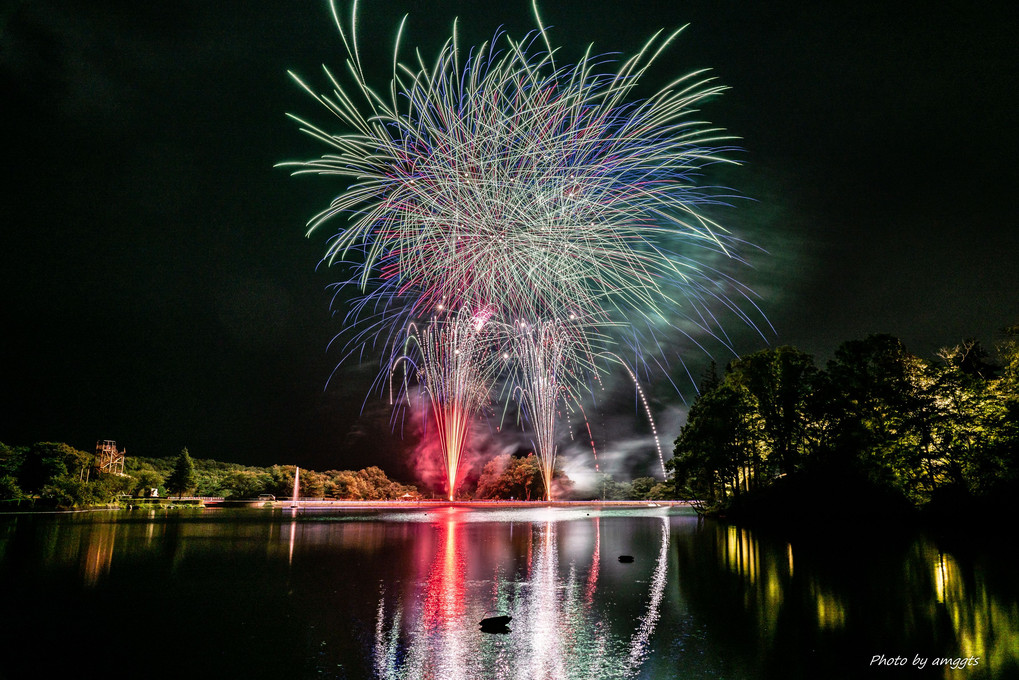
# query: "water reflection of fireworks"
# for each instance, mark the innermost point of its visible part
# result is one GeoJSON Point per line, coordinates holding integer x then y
{"type": "Point", "coordinates": [558, 629]}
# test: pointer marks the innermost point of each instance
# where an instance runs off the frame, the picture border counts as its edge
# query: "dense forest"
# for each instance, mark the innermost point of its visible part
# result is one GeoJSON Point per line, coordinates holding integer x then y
{"type": "Point", "coordinates": [876, 429]}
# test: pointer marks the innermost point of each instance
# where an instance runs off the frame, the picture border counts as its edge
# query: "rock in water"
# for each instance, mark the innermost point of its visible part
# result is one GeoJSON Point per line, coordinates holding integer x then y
{"type": "Point", "coordinates": [496, 624]}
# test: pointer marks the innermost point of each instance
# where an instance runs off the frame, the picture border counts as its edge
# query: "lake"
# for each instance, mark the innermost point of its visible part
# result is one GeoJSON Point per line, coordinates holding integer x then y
{"type": "Point", "coordinates": [399, 593]}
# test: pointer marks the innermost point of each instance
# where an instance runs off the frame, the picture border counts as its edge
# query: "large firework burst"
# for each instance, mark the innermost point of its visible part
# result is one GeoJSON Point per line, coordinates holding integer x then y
{"type": "Point", "coordinates": [498, 178]}
{"type": "Point", "coordinates": [500, 175]}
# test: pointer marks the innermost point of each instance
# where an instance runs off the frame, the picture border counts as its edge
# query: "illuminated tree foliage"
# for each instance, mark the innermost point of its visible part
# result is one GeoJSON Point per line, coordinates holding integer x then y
{"type": "Point", "coordinates": [55, 475]}
{"type": "Point", "coordinates": [878, 416]}
{"type": "Point", "coordinates": [45, 462]}
{"type": "Point", "coordinates": [508, 477]}
{"type": "Point", "coordinates": [49, 474]}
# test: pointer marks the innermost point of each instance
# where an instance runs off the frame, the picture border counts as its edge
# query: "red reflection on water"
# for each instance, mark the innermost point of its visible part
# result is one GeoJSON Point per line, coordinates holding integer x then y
{"type": "Point", "coordinates": [445, 595]}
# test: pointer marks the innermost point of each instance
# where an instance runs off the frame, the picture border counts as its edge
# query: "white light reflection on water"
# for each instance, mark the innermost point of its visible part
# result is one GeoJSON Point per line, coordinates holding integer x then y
{"type": "Point", "coordinates": [566, 623]}
{"type": "Point", "coordinates": [642, 638]}
{"type": "Point", "coordinates": [480, 513]}
{"type": "Point", "coordinates": [293, 535]}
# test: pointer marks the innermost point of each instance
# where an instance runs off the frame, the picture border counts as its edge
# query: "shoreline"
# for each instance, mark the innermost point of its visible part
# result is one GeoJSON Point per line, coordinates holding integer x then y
{"type": "Point", "coordinates": [314, 503]}
{"type": "Point", "coordinates": [321, 504]}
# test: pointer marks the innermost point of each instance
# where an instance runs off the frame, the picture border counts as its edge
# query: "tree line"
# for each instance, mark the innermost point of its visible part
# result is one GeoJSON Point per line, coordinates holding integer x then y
{"type": "Point", "coordinates": [213, 478]}
{"type": "Point", "coordinates": [58, 475]}
{"type": "Point", "coordinates": [908, 430]}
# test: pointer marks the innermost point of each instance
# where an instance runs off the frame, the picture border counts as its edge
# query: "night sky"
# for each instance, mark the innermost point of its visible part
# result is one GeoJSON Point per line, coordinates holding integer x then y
{"type": "Point", "coordinates": [158, 288]}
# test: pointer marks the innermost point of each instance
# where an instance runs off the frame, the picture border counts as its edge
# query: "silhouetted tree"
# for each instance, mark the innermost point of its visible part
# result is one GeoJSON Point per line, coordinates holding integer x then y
{"type": "Point", "coordinates": [719, 452]}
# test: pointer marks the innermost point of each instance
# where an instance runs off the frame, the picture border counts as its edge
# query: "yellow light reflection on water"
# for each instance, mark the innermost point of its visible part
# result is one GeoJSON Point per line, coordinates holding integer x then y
{"type": "Point", "coordinates": [742, 553]}
{"type": "Point", "coordinates": [764, 578]}
{"type": "Point", "coordinates": [831, 614]}
{"type": "Point", "coordinates": [946, 578]}
{"type": "Point", "coordinates": [766, 572]}
{"type": "Point", "coordinates": [984, 627]}
{"type": "Point", "coordinates": [98, 553]}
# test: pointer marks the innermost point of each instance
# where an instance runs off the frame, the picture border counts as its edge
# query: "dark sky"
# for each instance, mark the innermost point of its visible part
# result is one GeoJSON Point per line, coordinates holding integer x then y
{"type": "Point", "coordinates": [158, 288]}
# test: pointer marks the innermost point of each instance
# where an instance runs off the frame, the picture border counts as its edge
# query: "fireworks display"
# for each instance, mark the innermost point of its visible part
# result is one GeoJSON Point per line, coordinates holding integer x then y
{"type": "Point", "coordinates": [455, 367]}
{"type": "Point", "coordinates": [498, 182]}
{"type": "Point", "coordinates": [547, 369]}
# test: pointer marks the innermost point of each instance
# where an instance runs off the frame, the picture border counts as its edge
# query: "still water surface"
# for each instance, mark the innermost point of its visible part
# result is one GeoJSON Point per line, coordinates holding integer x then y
{"type": "Point", "coordinates": [399, 594]}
